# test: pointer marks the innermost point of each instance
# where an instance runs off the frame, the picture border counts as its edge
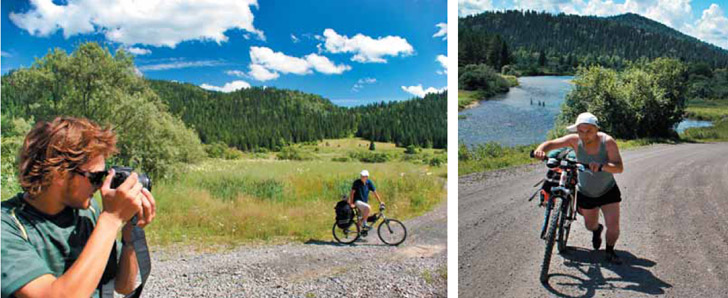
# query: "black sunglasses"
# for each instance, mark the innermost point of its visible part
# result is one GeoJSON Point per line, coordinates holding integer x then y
{"type": "Point", "coordinates": [96, 178]}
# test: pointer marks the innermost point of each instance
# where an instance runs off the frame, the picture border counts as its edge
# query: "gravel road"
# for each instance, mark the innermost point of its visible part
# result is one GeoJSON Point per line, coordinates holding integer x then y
{"type": "Point", "coordinates": [674, 231]}
{"type": "Point", "coordinates": [313, 269]}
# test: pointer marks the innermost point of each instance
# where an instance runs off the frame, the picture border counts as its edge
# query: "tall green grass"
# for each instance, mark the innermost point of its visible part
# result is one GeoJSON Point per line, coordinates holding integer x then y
{"type": "Point", "coordinates": [492, 156]}
{"type": "Point", "coordinates": [230, 202]}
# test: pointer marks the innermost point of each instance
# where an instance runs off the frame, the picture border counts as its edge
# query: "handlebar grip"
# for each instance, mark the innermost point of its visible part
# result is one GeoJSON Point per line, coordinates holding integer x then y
{"type": "Point", "coordinates": [531, 154]}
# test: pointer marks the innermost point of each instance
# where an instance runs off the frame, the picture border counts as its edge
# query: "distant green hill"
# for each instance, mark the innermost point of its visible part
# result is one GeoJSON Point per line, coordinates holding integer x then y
{"type": "Point", "coordinates": [543, 41]}
{"type": "Point", "coordinates": [258, 117]}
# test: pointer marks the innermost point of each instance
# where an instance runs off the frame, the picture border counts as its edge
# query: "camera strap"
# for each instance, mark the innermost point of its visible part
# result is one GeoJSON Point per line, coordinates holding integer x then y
{"type": "Point", "coordinates": [139, 241]}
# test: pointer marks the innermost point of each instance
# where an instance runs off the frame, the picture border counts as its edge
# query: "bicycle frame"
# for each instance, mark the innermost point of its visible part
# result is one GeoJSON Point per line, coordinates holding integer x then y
{"type": "Point", "coordinates": [565, 190]}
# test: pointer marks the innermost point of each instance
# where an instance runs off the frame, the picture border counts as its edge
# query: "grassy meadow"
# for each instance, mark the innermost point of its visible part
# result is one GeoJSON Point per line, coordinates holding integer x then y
{"type": "Point", "coordinates": [259, 197]}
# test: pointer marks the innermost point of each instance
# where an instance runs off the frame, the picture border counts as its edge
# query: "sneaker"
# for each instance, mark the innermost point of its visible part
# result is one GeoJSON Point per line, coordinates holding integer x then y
{"type": "Point", "coordinates": [365, 227]}
{"type": "Point", "coordinates": [597, 237]}
{"type": "Point", "coordinates": [613, 258]}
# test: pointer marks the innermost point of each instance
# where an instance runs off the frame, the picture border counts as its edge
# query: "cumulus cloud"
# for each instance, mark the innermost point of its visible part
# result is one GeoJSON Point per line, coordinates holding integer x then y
{"type": "Point", "coordinates": [420, 92]}
{"type": "Point", "coordinates": [442, 32]}
{"type": "Point", "coordinates": [365, 48]}
{"type": "Point", "coordinates": [228, 87]}
{"type": "Point", "coordinates": [139, 51]}
{"type": "Point", "coordinates": [180, 64]}
{"type": "Point", "coordinates": [712, 26]}
{"type": "Point", "coordinates": [468, 7]}
{"type": "Point", "coordinates": [361, 82]}
{"type": "Point", "coordinates": [266, 64]}
{"type": "Point", "coordinates": [260, 73]}
{"type": "Point", "coordinates": [152, 22]}
{"type": "Point", "coordinates": [443, 62]}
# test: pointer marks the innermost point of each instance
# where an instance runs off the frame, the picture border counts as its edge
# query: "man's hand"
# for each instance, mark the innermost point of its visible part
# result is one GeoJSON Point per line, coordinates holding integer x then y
{"type": "Point", "coordinates": [126, 200]}
{"type": "Point", "coordinates": [149, 208]}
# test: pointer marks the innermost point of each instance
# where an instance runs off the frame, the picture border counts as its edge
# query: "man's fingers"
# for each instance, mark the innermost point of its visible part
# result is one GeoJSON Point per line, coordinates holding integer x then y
{"type": "Point", "coordinates": [130, 181]}
{"type": "Point", "coordinates": [136, 190]}
{"type": "Point", "coordinates": [147, 207]}
{"type": "Point", "coordinates": [107, 182]}
{"type": "Point", "coordinates": [150, 197]}
{"type": "Point", "coordinates": [139, 202]}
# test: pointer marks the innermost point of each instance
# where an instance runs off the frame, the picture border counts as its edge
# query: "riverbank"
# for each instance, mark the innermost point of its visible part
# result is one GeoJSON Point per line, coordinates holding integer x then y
{"type": "Point", "coordinates": [492, 156]}
{"type": "Point", "coordinates": [469, 98]}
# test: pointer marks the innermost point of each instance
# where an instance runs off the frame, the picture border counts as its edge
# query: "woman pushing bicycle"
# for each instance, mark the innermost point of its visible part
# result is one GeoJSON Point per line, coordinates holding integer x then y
{"type": "Point", "coordinates": [596, 189]}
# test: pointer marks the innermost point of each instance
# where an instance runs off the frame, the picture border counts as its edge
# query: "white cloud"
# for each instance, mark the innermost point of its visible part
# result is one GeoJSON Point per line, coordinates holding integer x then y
{"type": "Point", "coordinates": [365, 48]}
{"type": "Point", "coordinates": [152, 22]}
{"type": "Point", "coordinates": [260, 73]}
{"type": "Point", "coordinates": [138, 51]}
{"type": "Point", "coordinates": [324, 65]}
{"type": "Point", "coordinates": [419, 92]}
{"type": "Point", "coordinates": [229, 87]}
{"type": "Point", "coordinates": [468, 7]}
{"type": "Point", "coordinates": [361, 82]}
{"type": "Point", "coordinates": [712, 26]}
{"type": "Point", "coordinates": [443, 62]}
{"type": "Point", "coordinates": [138, 72]}
{"type": "Point", "coordinates": [277, 61]}
{"type": "Point", "coordinates": [266, 64]}
{"type": "Point", "coordinates": [236, 73]}
{"type": "Point", "coordinates": [442, 32]}
{"type": "Point", "coordinates": [294, 38]}
{"type": "Point", "coordinates": [5, 54]}
{"type": "Point", "coordinates": [180, 64]}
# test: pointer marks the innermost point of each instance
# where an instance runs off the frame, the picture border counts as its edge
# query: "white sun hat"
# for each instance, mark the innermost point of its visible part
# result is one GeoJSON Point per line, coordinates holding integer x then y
{"type": "Point", "coordinates": [584, 118]}
{"type": "Point", "coordinates": [365, 173]}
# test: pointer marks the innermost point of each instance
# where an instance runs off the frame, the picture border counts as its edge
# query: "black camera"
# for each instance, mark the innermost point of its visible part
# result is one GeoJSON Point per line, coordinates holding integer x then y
{"type": "Point", "coordinates": [121, 173]}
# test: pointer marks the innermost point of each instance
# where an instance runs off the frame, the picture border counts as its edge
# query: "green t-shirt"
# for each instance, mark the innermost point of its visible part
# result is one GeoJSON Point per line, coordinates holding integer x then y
{"type": "Point", "coordinates": [44, 245]}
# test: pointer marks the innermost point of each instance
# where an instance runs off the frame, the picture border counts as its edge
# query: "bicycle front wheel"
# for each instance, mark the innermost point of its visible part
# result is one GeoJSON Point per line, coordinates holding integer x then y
{"type": "Point", "coordinates": [551, 238]}
{"type": "Point", "coordinates": [392, 232]}
{"type": "Point", "coordinates": [347, 235]}
{"type": "Point", "coordinates": [564, 228]}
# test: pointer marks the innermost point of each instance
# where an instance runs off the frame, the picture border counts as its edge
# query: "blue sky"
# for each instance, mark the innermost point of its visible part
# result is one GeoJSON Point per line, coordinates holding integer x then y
{"type": "Point", "coordinates": [352, 52]}
{"type": "Point", "coordinates": [706, 20]}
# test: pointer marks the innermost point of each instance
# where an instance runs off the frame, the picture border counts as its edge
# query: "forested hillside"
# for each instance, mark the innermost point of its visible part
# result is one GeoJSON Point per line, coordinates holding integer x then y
{"type": "Point", "coordinates": [544, 42]}
{"type": "Point", "coordinates": [272, 118]}
{"type": "Point", "coordinates": [419, 122]}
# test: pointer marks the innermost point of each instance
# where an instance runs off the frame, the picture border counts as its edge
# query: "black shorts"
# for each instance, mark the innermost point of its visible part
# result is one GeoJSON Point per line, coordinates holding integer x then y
{"type": "Point", "coordinates": [612, 196]}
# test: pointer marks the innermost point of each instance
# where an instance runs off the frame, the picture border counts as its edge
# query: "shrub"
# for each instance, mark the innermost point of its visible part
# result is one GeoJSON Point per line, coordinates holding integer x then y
{"type": "Point", "coordinates": [370, 157]}
{"type": "Point", "coordinates": [293, 153]}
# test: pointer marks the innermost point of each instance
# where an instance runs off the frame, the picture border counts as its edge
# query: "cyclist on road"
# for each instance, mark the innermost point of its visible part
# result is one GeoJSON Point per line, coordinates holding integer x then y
{"type": "Point", "coordinates": [359, 197]}
{"type": "Point", "coordinates": [597, 189]}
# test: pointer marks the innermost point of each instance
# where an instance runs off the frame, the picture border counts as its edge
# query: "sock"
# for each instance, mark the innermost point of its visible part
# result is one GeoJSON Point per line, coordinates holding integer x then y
{"type": "Point", "coordinates": [610, 249]}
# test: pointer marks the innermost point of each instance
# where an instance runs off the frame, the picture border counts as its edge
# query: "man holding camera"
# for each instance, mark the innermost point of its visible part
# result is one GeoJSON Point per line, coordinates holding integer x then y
{"type": "Point", "coordinates": [56, 241]}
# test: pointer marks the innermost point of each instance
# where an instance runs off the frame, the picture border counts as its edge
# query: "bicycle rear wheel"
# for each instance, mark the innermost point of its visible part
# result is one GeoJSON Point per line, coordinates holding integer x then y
{"type": "Point", "coordinates": [347, 235]}
{"type": "Point", "coordinates": [551, 238]}
{"type": "Point", "coordinates": [392, 232]}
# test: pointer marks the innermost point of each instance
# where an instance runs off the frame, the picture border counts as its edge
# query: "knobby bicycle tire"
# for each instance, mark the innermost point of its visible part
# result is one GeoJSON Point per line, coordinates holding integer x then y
{"type": "Point", "coordinates": [547, 212]}
{"type": "Point", "coordinates": [351, 240]}
{"type": "Point", "coordinates": [550, 238]}
{"type": "Point", "coordinates": [391, 222]}
{"type": "Point", "coordinates": [564, 229]}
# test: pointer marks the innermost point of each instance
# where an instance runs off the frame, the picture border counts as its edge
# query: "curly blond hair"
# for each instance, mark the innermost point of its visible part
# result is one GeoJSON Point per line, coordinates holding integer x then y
{"type": "Point", "coordinates": [60, 146]}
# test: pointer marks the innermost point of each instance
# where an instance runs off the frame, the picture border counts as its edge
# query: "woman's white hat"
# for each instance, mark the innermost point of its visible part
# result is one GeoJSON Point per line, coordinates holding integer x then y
{"type": "Point", "coordinates": [584, 118]}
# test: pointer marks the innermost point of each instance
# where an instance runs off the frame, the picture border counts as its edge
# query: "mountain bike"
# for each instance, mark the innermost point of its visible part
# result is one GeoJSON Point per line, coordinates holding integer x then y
{"type": "Point", "coordinates": [390, 231]}
{"type": "Point", "coordinates": [559, 201]}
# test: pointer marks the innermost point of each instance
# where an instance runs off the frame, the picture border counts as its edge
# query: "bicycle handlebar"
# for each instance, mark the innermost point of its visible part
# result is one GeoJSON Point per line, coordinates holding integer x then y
{"type": "Point", "coordinates": [570, 161]}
